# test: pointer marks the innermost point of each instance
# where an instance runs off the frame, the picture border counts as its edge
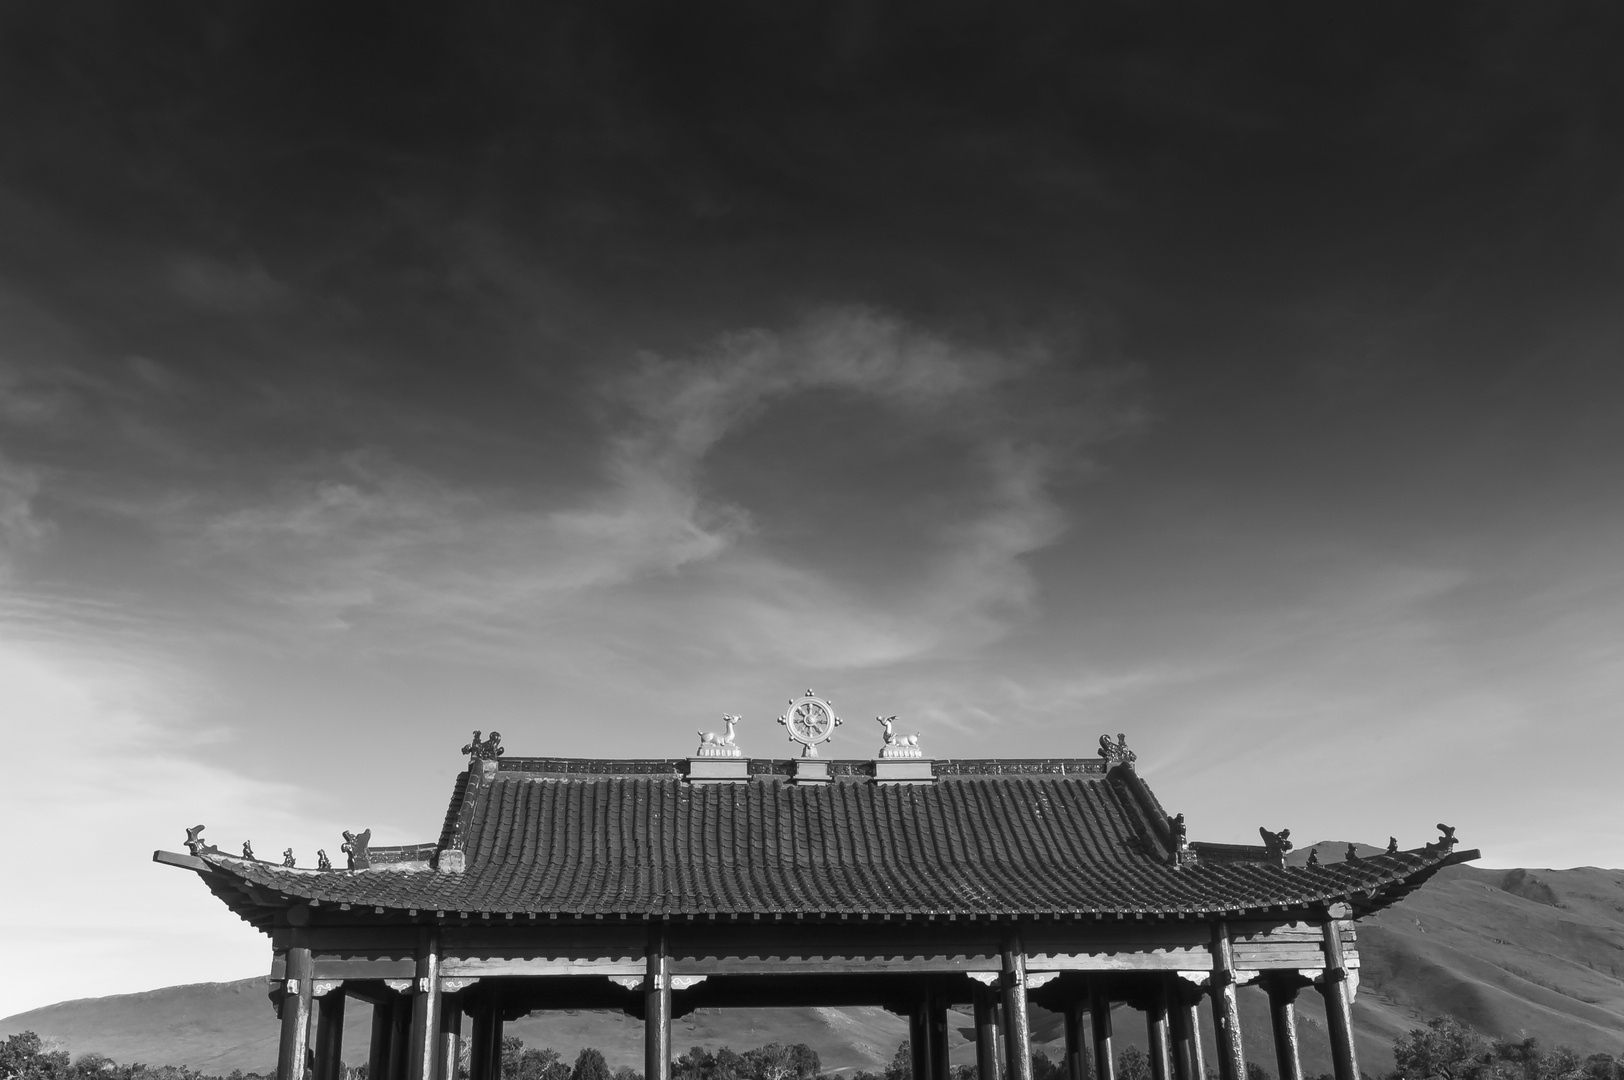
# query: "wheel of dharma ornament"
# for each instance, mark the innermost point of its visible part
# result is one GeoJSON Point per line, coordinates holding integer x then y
{"type": "Point", "coordinates": [810, 721]}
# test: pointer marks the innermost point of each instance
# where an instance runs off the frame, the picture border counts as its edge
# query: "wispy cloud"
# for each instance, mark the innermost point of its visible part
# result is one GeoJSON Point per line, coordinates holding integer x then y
{"type": "Point", "coordinates": [373, 542]}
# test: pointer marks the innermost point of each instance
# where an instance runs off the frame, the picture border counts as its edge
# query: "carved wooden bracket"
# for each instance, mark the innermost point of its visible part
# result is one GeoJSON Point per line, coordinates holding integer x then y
{"type": "Point", "coordinates": [683, 982]}
{"type": "Point", "coordinates": [456, 986]}
{"type": "Point", "coordinates": [985, 978]}
{"type": "Point", "coordinates": [323, 987]}
{"type": "Point", "coordinates": [1035, 979]}
{"type": "Point", "coordinates": [400, 986]}
{"type": "Point", "coordinates": [1244, 977]}
{"type": "Point", "coordinates": [1199, 978]}
{"type": "Point", "coordinates": [627, 982]}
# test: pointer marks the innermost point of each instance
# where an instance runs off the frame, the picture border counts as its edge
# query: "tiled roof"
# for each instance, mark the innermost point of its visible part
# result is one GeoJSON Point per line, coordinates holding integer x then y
{"type": "Point", "coordinates": [636, 839]}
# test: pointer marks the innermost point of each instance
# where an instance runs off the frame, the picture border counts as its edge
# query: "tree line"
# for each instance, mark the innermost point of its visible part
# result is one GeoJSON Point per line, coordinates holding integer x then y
{"type": "Point", "coordinates": [1445, 1049]}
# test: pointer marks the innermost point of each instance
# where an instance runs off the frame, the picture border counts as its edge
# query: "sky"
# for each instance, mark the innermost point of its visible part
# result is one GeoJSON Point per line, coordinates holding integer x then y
{"type": "Point", "coordinates": [1244, 379]}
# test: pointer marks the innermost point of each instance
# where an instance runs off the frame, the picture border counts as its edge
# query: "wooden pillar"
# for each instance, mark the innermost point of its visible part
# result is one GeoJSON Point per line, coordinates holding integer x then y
{"type": "Point", "coordinates": [485, 1053]}
{"type": "Point", "coordinates": [1017, 1027]}
{"type": "Point", "coordinates": [1283, 1013]}
{"type": "Point", "coordinates": [1099, 1012]}
{"type": "Point", "coordinates": [400, 1032]}
{"type": "Point", "coordinates": [1338, 1000]}
{"type": "Point", "coordinates": [657, 1008]}
{"type": "Point", "coordinates": [936, 1027]}
{"type": "Point", "coordinates": [916, 1042]}
{"type": "Point", "coordinates": [294, 1048]}
{"type": "Point", "coordinates": [1226, 1014]}
{"type": "Point", "coordinates": [330, 1035]}
{"type": "Point", "coordinates": [450, 1036]}
{"type": "Point", "coordinates": [986, 1007]}
{"type": "Point", "coordinates": [425, 1026]}
{"type": "Point", "coordinates": [1184, 1014]}
{"type": "Point", "coordinates": [382, 1025]}
{"type": "Point", "coordinates": [1076, 1052]}
{"type": "Point", "coordinates": [1158, 1042]}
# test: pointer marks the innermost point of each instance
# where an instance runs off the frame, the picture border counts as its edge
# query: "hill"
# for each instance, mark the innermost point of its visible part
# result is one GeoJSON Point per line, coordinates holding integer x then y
{"type": "Point", "coordinates": [1510, 952]}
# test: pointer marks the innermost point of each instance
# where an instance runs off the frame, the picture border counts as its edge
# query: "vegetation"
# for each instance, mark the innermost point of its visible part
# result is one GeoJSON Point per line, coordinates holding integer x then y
{"type": "Point", "coordinates": [1445, 1049]}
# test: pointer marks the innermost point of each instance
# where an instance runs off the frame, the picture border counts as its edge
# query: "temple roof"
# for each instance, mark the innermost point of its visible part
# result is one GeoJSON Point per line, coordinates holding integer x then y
{"type": "Point", "coordinates": [637, 839]}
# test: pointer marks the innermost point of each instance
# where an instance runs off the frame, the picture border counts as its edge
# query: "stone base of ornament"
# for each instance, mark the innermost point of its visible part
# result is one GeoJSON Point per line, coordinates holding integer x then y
{"type": "Point", "coordinates": [901, 752]}
{"type": "Point", "coordinates": [718, 770]}
{"type": "Point", "coordinates": [811, 771]}
{"type": "Point", "coordinates": [709, 750]}
{"type": "Point", "coordinates": [903, 771]}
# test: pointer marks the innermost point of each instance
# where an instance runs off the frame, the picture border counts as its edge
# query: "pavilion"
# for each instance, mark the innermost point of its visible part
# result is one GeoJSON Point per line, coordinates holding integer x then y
{"type": "Point", "coordinates": [662, 886]}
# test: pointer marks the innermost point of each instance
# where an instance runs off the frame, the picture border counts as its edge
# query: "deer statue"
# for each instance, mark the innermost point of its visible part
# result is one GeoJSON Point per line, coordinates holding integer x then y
{"type": "Point", "coordinates": [897, 745]}
{"type": "Point", "coordinates": [724, 745]}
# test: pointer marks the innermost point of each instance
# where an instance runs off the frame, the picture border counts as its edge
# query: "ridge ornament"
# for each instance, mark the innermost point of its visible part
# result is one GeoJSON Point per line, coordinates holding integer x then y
{"type": "Point", "coordinates": [810, 720]}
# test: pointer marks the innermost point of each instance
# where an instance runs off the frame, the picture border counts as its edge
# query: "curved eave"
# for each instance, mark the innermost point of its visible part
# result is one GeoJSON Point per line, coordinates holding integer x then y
{"type": "Point", "coordinates": [258, 892]}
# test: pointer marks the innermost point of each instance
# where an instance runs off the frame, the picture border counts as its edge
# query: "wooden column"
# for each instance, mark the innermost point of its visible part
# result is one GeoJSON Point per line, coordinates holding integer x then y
{"type": "Point", "coordinates": [986, 1007]}
{"type": "Point", "coordinates": [425, 1030]}
{"type": "Point", "coordinates": [1076, 1052]}
{"type": "Point", "coordinates": [1338, 999]}
{"type": "Point", "coordinates": [1226, 1014]}
{"type": "Point", "coordinates": [1017, 1028]}
{"type": "Point", "coordinates": [485, 1053]}
{"type": "Point", "coordinates": [400, 1034]}
{"type": "Point", "coordinates": [450, 1036]}
{"type": "Point", "coordinates": [1184, 1013]}
{"type": "Point", "coordinates": [330, 1035]}
{"type": "Point", "coordinates": [1283, 1013]}
{"type": "Point", "coordinates": [1158, 1044]}
{"type": "Point", "coordinates": [295, 1045]}
{"type": "Point", "coordinates": [919, 1041]}
{"type": "Point", "coordinates": [383, 1022]}
{"type": "Point", "coordinates": [936, 1018]}
{"type": "Point", "coordinates": [657, 1008]}
{"type": "Point", "coordinates": [1099, 1012]}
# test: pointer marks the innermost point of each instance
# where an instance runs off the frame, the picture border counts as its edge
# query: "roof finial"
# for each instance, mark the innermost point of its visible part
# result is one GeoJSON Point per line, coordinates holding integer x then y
{"type": "Point", "coordinates": [1446, 839]}
{"type": "Point", "coordinates": [1313, 856]}
{"type": "Point", "coordinates": [898, 746]}
{"type": "Point", "coordinates": [355, 846]}
{"type": "Point", "coordinates": [1392, 845]}
{"type": "Point", "coordinates": [1181, 837]}
{"type": "Point", "coordinates": [489, 750]}
{"type": "Point", "coordinates": [195, 844]}
{"type": "Point", "coordinates": [1352, 854]}
{"type": "Point", "coordinates": [248, 849]}
{"type": "Point", "coordinates": [1116, 753]}
{"type": "Point", "coordinates": [322, 861]}
{"type": "Point", "coordinates": [713, 745]}
{"type": "Point", "coordinates": [1277, 843]}
{"type": "Point", "coordinates": [287, 857]}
